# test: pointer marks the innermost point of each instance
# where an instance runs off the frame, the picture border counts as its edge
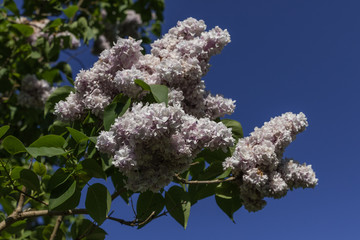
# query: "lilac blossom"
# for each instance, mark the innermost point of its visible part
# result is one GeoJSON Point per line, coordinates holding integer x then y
{"type": "Point", "coordinates": [179, 61]}
{"type": "Point", "coordinates": [34, 92]}
{"type": "Point", "coordinates": [257, 162]}
{"type": "Point", "coordinates": [151, 143]}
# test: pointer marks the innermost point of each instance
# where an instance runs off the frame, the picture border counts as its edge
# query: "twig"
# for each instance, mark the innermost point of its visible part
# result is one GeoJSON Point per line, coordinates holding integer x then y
{"type": "Point", "coordinates": [147, 219]}
{"type": "Point", "coordinates": [29, 196]}
{"type": "Point", "coordinates": [17, 216]}
{"type": "Point", "coordinates": [56, 228]}
{"type": "Point", "coordinates": [21, 201]}
{"type": "Point", "coordinates": [182, 180]}
{"type": "Point", "coordinates": [132, 206]}
{"type": "Point", "coordinates": [132, 223]}
{"type": "Point", "coordinates": [71, 56]}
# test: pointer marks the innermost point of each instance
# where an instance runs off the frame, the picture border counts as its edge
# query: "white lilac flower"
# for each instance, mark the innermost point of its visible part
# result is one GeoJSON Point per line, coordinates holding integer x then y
{"type": "Point", "coordinates": [151, 143]}
{"type": "Point", "coordinates": [179, 60]}
{"type": "Point", "coordinates": [34, 92]}
{"type": "Point", "coordinates": [257, 161]}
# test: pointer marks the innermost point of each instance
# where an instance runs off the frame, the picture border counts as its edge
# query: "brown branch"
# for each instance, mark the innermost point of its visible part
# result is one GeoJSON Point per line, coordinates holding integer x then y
{"type": "Point", "coordinates": [182, 180]}
{"type": "Point", "coordinates": [14, 217]}
{"type": "Point", "coordinates": [56, 228]}
{"type": "Point", "coordinates": [21, 201]}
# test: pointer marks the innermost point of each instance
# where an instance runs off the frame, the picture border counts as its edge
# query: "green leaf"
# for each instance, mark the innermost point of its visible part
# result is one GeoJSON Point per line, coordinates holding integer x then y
{"type": "Point", "coordinates": [235, 126]}
{"type": "Point", "coordinates": [54, 24]}
{"type": "Point", "coordinates": [49, 141]}
{"type": "Point", "coordinates": [3, 130]}
{"type": "Point", "coordinates": [215, 169]}
{"type": "Point", "coordinates": [77, 135]}
{"type": "Point", "coordinates": [35, 55]}
{"type": "Point", "coordinates": [93, 169]}
{"type": "Point", "coordinates": [213, 156]}
{"type": "Point", "coordinates": [65, 68]}
{"type": "Point", "coordinates": [201, 191]}
{"type": "Point", "coordinates": [70, 11]}
{"type": "Point", "coordinates": [98, 202]}
{"type": "Point", "coordinates": [11, 5]}
{"type": "Point", "coordinates": [83, 227]}
{"type": "Point", "coordinates": [26, 177]}
{"type": "Point", "coordinates": [48, 145]}
{"type": "Point", "coordinates": [24, 29]}
{"type": "Point", "coordinates": [45, 151]}
{"type": "Point", "coordinates": [142, 84]}
{"type": "Point", "coordinates": [228, 198]}
{"type": "Point", "coordinates": [8, 204]}
{"type": "Point", "coordinates": [13, 145]}
{"type": "Point", "coordinates": [160, 93]}
{"type": "Point", "coordinates": [118, 181]}
{"type": "Point", "coordinates": [147, 203]}
{"type": "Point", "coordinates": [225, 173]}
{"type": "Point", "coordinates": [65, 196]}
{"type": "Point", "coordinates": [39, 168]}
{"type": "Point", "coordinates": [178, 204]}
{"type": "Point", "coordinates": [116, 109]}
{"type": "Point", "coordinates": [197, 167]}
{"type": "Point", "coordinates": [58, 178]}
{"type": "Point", "coordinates": [51, 75]}
{"type": "Point", "coordinates": [59, 94]}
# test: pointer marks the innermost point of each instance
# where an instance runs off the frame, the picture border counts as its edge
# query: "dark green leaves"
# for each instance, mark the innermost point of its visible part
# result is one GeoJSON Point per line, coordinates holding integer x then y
{"type": "Point", "coordinates": [11, 5]}
{"type": "Point", "coordinates": [116, 109]}
{"type": "Point", "coordinates": [3, 130]}
{"type": "Point", "coordinates": [235, 126]}
{"type": "Point", "coordinates": [149, 203]}
{"type": "Point", "coordinates": [24, 29]}
{"type": "Point", "coordinates": [98, 202]}
{"type": "Point", "coordinates": [13, 145]}
{"type": "Point", "coordinates": [59, 94]}
{"type": "Point", "coordinates": [84, 227]}
{"type": "Point", "coordinates": [65, 195]}
{"type": "Point", "coordinates": [228, 198]}
{"type": "Point", "coordinates": [70, 11]}
{"type": "Point", "coordinates": [93, 169]}
{"type": "Point", "coordinates": [178, 204]}
{"type": "Point", "coordinates": [26, 177]}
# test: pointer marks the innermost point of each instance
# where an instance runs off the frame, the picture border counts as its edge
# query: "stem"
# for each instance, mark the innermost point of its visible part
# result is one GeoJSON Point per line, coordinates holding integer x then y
{"type": "Point", "coordinates": [182, 180]}
{"type": "Point", "coordinates": [17, 216]}
{"type": "Point", "coordinates": [56, 228]}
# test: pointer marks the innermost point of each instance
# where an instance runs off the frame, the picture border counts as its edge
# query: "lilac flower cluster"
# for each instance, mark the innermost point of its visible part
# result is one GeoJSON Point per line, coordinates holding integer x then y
{"type": "Point", "coordinates": [179, 60]}
{"type": "Point", "coordinates": [258, 166]}
{"type": "Point", "coordinates": [129, 27]}
{"type": "Point", "coordinates": [34, 92]}
{"type": "Point", "coordinates": [151, 143]}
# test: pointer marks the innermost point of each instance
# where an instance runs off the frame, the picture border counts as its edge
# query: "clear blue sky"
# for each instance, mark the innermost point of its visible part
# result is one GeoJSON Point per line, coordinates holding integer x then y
{"type": "Point", "coordinates": [284, 56]}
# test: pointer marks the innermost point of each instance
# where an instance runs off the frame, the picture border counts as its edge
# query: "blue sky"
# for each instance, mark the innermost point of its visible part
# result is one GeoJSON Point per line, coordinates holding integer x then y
{"type": "Point", "coordinates": [299, 56]}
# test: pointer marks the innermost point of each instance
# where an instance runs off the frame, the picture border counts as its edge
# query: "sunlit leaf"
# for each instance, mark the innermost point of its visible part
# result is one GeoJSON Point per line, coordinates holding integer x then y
{"type": "Point", "coordinates": [13, 145]}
